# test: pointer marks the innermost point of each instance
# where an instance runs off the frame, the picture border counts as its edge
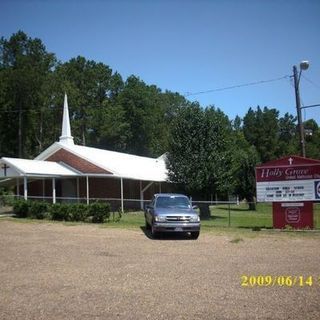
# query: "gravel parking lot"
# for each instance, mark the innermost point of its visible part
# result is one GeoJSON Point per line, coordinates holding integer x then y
{"type": "Point", "coordinates": [54, 271]}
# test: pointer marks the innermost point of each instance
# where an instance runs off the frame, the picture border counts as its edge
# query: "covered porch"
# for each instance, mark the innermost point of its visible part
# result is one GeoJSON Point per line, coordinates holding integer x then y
{"type": "Point", "coordinates": [57, 182]}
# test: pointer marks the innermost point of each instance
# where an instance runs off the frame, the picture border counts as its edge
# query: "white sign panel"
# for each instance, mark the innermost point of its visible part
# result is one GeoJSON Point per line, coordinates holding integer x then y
{"type": "Point", "coordinates": [296, 190]}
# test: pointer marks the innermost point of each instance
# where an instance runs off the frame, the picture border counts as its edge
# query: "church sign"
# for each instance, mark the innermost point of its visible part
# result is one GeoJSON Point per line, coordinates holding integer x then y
{"type": "Point", "coordinates": [288, 179]}
{"type": "Point", "coordinates": [291, 184]}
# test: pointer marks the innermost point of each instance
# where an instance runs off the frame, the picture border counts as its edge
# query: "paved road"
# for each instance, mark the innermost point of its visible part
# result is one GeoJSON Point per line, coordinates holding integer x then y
{"type": "Point", "coordinates": [52, 271]}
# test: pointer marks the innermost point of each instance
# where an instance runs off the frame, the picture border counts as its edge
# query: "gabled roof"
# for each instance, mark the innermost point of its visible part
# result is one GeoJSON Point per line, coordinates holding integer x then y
{"type": "Point", "coordinates": [23, 167]}
{"type": "Point", "coordinates": [119, 164]}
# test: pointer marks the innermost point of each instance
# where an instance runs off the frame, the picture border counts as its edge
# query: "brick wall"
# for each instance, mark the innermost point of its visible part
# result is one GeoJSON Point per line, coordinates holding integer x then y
{"type": "Point", "coordinates": [76, 162]}
{"type": "Point", "coordinates": [98, 188]}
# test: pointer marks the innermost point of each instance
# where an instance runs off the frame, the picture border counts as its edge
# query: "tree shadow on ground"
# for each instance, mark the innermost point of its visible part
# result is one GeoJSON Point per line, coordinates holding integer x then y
{"type": "Point", "coordinates": [213, 217]}
{"type": "Point", "coordinates": [236, 209]}
{"type": "Point", "coordinates": [255, 228]}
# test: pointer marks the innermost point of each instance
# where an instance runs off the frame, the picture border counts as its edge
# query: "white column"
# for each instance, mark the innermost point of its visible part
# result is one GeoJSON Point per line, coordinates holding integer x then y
{"type": "Point", "coordinates": [121, 183]}
{"type": "Point", "coordinates": [53, 190]}
{"type": "Point", "coordinates": [25, 188]}
{"type": "Point", "coordinates": [141, 196]}
{"type": "Point", "coordinates": [87, 178]}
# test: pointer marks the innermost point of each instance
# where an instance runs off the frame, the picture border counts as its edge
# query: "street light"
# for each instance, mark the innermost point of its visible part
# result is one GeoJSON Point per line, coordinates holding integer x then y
{"type": "Point", "coordinates": [304, 65]}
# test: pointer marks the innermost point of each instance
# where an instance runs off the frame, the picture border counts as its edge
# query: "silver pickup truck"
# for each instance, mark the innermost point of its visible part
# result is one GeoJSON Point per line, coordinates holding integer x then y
{"type": "Point", "coordinates": [169, 212]}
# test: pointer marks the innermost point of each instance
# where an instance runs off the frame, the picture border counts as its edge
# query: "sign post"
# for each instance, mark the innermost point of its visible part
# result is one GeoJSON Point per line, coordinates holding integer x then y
{"type": "Point", "coordinates": [291, 184]}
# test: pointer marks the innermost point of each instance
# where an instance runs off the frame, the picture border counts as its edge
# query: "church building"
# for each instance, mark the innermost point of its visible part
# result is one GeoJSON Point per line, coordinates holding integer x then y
{"type": "Point", "coordinates": [69, 172]}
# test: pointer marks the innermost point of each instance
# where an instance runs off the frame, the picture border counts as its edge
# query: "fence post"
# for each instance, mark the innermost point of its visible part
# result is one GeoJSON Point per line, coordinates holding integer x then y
{"type": "Point", "coordinates": [229, 220]}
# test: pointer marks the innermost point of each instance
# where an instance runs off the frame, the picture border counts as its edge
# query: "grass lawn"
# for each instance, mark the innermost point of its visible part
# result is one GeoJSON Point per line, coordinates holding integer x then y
{"type": "Point", "coordinates": [240, 217]}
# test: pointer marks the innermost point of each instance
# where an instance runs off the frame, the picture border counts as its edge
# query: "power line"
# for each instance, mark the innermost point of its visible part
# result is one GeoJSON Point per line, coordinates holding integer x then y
{"type": "Point", "coordinates": [310, 81]}
{"type": "Point", "coordinates": [236, 86]}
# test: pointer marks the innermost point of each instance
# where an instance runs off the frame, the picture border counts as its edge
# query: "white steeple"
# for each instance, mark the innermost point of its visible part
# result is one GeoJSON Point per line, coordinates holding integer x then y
{"type": "Point", "coordinates": [66, 137]}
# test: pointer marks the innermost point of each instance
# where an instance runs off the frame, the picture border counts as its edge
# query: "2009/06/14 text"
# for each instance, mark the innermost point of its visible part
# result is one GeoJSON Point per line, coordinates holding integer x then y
{"type": "Point", "coordinates": [279, 281]}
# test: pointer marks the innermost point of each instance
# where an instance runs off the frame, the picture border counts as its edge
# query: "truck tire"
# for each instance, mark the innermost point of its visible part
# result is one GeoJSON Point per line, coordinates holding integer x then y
{"type": "Point", "coordinates": [154, 233]}
{"type": "Point", "coordinates": [195, 235]}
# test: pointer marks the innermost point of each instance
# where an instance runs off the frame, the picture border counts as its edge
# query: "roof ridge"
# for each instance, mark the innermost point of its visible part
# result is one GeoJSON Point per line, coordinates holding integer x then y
{"type": "Point", "coordinates": [117, 152]}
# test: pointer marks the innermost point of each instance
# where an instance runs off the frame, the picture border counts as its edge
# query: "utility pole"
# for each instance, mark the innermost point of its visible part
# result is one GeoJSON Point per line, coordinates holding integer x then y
{"type": "Point", "coordinates": [303, 66]}
{"type": "Point", "coordinates": [298, 105]}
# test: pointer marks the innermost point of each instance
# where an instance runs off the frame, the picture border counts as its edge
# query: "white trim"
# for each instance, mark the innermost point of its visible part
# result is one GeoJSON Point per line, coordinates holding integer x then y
{"type": "Point", "coordinates": [148, 186]}
{"type": "Point", "coordinates": [49, 151]}
{"type": "Point", "coordinates": [142, 192]}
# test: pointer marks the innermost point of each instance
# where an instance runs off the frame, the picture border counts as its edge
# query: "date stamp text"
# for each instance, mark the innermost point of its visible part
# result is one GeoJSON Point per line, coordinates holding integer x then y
{"type": "Point", "coordinates": [251, 281]}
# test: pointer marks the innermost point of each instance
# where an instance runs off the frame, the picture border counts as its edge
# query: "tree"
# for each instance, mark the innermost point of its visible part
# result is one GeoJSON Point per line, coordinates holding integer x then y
{"type": "Point", "coordinates": [148, 113]}
{"type": "Point", "coordinates": [88, 84]}
{"type": "Point", "coordinates": [24, 68]}
{"type": "Point", "coordinates": [244, 160]}
{"type": "Point", "coordinates": [261, 130]}
{"type": "Point", "coordinates": [288, 135]}
{"type": "Point", "coordinates": [312, 133]}
{"type": "Point", "coordinates": [200, 152]}
{"type": "Point", "coordinates": [110, 128]}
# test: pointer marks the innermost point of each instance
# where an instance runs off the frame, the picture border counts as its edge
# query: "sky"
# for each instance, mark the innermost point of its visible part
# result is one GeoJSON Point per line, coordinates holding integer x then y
{"type": "Point", "coordinates": [188, 46]}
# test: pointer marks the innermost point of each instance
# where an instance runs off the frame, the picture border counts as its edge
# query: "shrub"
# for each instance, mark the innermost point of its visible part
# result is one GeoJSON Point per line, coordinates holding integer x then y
{"type": "Point", "coordinates": [99, 212]}
{"type": "Point", "coordinates": [21, 208]}
{"type": "Point", "coordinates": [39, 210]}
{"type": "Point", "coordinates": [78, 212]}
{"type": "Point", "coordinates": [60, 212]}
{"type": "Point", "coordinates": [6, 197]}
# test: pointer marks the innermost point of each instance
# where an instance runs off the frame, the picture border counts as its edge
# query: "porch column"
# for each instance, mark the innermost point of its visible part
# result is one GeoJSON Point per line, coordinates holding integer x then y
{"type": "Point", "coordinates": [53, 190]}
{"type": "Point", "coordinates": [121, 183]}
{"type": "Point", "coordinates": [141, 196]}
{"type": "Point", "coordinates": [87, 178]}
{"type": "Point", "coordinates": [25, 188]}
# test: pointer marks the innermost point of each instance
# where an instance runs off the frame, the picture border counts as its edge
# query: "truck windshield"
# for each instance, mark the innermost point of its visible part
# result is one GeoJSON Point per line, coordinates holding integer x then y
{"type": "Point", "coordinates": [169, 202]}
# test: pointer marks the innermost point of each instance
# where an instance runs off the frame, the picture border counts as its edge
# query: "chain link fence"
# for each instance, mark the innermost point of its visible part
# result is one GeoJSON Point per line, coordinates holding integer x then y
{"type": "Point", "coordinates": [213, 213]}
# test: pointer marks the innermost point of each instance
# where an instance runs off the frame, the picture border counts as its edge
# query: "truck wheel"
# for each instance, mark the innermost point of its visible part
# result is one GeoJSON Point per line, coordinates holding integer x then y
{"type": "Point", "coordinates": [154, 233]}
{"type": "Point", "coordinates": [147, 225]}
{"type": "Point", "coordinates": [195, 235]}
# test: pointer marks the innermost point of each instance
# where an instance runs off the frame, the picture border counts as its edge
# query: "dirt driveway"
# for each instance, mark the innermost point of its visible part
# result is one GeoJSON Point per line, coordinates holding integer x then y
{"type": "Point", "coordinates": [54, 271]}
